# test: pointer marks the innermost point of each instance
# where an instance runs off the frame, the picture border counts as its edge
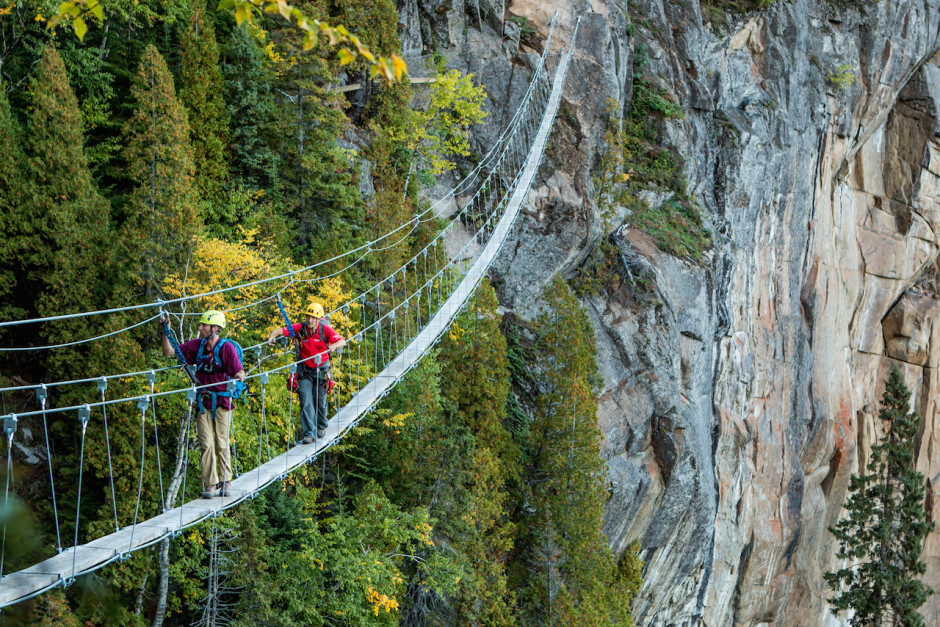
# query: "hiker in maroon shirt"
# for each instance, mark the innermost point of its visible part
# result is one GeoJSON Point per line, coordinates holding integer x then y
{"type": "Point", "coordinates": [215, 407]}
{"type": "Point", "coordinates": [317, 341]}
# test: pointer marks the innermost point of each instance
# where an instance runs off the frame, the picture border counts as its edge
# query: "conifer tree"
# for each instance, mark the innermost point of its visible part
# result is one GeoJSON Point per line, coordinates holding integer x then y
{"type": "Point", "coordinates": [883, 534]}
{"type": "Point", "coordinates": [248, 84]}
{"type": "Point", "coordinates": [70, 218]}
{"type": "Point", "coordinates": [572, 575]}
{"type": "Point", "coordinates": [473, 354]}
{"type": "Point", "coordinates": [13, 214]}
{"type": "Point", "coordinates": [317, 180]}
{"type": "Point", "coordinates": [162, 216]}
{"type": "Point", "coordinates": [201, 91]}
{"type": "Point", "coordinates": [62, 222]}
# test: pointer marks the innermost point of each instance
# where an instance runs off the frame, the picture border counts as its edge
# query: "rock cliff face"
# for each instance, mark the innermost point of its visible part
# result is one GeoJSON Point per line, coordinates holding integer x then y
{"type": "Point", "coordinates": [742, 392]}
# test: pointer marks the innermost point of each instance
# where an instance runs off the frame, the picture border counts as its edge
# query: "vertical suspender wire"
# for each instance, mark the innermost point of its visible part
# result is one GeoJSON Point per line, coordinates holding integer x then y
{"type": "Point", "coordinates": [417, 298]}
{"type": "Point", "coordinates": [406, 312]}
{"type": "Point", "coordinates": [417, 292]}
{"type": "Point", "coordinates": [264, 424]}
{"type": "Point", "coordinates": [43, 393]}
{"type": "Point", "coordinates": [291, 373]}
{"type": "Point", "coordinates": [363, 348]}
{"type": "Point", "coordinates": [380, 346]}
{"type": "Point", "coordinates": [423, 264]}
{"type": "Point", "coordinates": [393, 311]}
{"type": "Point", "coordinates": [375, 326]}
{"type": "Point", "coordinates": [152, 379]}
{"type": "Point", "coordinates": [230, 388]}
{"type": "Point", "coordinates": [418, 288]}
{"type": "Point", "coordinates": [102, 386]}
{"type": "Point", "coordinates": [142, 405]}
{"type": "Point", "coordinates": [263, 380]}
{"type": "Point", "coordinates": [292, 370]}
{"type": "Point", "coordinates": [406, 336]}
{"type": "Point", "coordinates": [379, 338]}
{"type": "Point", "coordinates": [191, 401]}
{"type": "Point", "coordinates": [84, 414]}
{"type": "Point", "coordinates": [9, 427]}
{"type": "Point", "coordinates": [406, 299]}
{"type": "Point", "coordinates": [427, 286]}
{"type": "Point", "coordinates": [437, 273]}
{"type": "Point", "coordinates": [348, 361]}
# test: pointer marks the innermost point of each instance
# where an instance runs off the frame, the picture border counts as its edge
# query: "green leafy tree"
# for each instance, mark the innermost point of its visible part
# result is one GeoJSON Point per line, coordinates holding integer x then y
{"type": "Point", "coordinates": [570, 575]}
{"type": "Point", "coordinates": [162, 212]}
{"type": "Point", "coordinates": [883, 534]}
{"type": "Point", "coordinates": [201, 91]}
{"type": "Point", "coordinates": [439, 129]}
{"type": "Point", "coordinates": [78, 14]}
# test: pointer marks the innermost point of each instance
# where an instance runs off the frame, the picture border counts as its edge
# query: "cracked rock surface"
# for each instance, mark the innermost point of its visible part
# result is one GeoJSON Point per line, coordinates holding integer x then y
{"type": "Point", "coordinates": [739, 392]}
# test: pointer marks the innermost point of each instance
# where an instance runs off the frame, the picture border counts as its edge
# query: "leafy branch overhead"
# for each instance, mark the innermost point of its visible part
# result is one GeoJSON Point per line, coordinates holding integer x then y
{"type": "Point", "coordinates": [78, 13]}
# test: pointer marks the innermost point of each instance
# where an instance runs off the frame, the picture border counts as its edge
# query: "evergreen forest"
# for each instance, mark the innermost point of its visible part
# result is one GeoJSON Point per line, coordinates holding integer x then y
{"type": "Point", "coordinates": [177, 149]}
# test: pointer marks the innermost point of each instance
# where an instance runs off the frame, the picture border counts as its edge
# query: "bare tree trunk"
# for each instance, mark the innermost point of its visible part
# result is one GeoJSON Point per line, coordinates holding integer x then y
{"type": "Point", "coordinates": [212, 603]}
{"type": "Point", "coordinates": [182, 451]}
{"type": "Point", "coordinates": [139, 605]}
{"type": "Point", "coordinates": [102, 50]}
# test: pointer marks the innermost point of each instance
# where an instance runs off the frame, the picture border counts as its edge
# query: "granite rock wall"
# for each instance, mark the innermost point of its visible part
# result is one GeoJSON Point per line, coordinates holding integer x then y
{"type": "Point", "coordinates": [741, 391]}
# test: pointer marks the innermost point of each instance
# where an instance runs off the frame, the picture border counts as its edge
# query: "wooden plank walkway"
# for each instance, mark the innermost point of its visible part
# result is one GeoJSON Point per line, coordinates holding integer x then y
{"type": "Point", "coordinates": [64, 567]}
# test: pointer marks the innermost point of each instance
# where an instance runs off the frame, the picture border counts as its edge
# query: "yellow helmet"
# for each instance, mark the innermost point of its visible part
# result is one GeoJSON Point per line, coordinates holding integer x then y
{"type": "Point", "coordinates": [315, 310]}
{"type": "Point", "coordinates": [213, 317]}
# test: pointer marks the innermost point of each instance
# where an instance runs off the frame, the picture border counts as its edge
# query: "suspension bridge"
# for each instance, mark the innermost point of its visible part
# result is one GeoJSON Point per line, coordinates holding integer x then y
{"type": "Point", "coordinates": [401, 319]}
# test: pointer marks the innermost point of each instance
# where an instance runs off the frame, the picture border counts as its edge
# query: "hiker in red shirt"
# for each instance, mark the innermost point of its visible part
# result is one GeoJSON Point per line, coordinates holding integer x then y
{"type": "Point", "coordinates": [317, 341]}
{"type": "Point", "coordinates": [215, 407]}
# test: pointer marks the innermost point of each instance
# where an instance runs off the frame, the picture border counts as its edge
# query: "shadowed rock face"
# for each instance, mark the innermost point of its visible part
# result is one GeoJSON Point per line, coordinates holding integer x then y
{"type": "Point", "coordinates": [740, 393]}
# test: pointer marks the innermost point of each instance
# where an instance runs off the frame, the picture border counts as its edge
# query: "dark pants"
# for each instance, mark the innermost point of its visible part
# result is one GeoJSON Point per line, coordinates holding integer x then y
{"type": "Point", "coordinates": [312, 400]}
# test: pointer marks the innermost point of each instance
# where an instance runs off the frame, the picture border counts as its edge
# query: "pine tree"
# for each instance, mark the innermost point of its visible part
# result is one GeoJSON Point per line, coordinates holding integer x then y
{"type": "Point", "coordinates": [571, 575]}
{"type": "Point", "coordinates": [62, 222]}
{"type": "Point", "coordinates": [886, 523]}
{"type": "Point", "coordinates": [201, 92]}
{"type": "Point", "coordinates": [162, 215]}
{"type": "Point", "coordinates": [248, 85]}
{"type": "Point", "coordinates": [14, 216]}
{"type": "Point", "coordinates": [317, 181]}
{"type": "Point", "coordinates": [70, 218]}
{"type": "Point", "coordinates": [473, 354]}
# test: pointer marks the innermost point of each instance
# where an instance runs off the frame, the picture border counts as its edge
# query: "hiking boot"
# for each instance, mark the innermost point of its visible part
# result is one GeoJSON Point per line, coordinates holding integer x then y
{"type": "Point", "coordinates": [225, 489]}
{"type": "Point", "coordinates": [321, 433]}
{"type": "Point", "coordinates": [307, 440]}
{"type": "Point", "coordinates": [209, 491]}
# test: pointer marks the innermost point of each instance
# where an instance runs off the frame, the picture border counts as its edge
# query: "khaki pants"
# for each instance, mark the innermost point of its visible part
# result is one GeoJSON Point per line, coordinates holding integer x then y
{"type": "Point", "coordinates": [213, 446]}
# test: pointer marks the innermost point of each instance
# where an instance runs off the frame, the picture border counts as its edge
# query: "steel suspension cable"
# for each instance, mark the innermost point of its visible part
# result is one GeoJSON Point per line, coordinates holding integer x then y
{"type": "Point", "coordinates": [77, 342]}
{"type": "Point", "coordinates": [191, 407]}
{"type": "Point", "coordinates": [142, 405]}
{"type": "Point", "coordinates": [42, 394]}
{"type": "Point", "coordinates": [84, 415]}
{"type": "Point", "coordinates": [152, 380]}
{"type": "Point", "coordinates": [453, 269]}
{"type": "Point", "coordinates": [9, 428]}
{"type": "Point", "coordinates": [523, 108]}
{"type": "Point", "coordinates": [103, 385]}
